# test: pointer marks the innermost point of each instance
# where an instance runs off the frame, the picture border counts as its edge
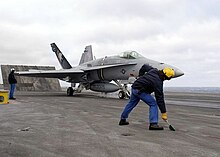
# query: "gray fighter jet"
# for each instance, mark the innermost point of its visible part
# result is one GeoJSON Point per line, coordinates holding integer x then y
{"type": "Point", "coordinates": [98, 74]}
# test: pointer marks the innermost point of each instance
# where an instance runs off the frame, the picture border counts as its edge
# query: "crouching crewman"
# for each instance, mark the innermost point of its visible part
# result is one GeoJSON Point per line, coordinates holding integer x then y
{"type": "Point", "coordinates": [150, 80]}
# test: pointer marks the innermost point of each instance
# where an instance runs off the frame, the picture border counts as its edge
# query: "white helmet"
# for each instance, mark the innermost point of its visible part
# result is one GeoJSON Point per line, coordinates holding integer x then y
{"type": "Point", "coordinates": [12, 69]}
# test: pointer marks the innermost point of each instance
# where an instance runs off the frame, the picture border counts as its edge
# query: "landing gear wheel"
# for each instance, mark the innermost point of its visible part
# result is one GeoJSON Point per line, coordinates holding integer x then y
{"type": "Point", "coordinates": [70, 91]}
{"type": "Point", "coordinates": [121, 95]}
{"type": "Point", "coordinates": [128, 95]}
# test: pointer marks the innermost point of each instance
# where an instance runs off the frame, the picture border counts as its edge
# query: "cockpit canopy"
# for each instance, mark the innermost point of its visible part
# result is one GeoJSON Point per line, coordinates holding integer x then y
{"type": "Point", "coordinates": [130, 55]}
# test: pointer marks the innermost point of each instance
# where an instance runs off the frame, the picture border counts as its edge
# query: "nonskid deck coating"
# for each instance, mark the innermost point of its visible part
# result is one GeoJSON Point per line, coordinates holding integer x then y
{"type": "Point", "coordinates": [87, 125]}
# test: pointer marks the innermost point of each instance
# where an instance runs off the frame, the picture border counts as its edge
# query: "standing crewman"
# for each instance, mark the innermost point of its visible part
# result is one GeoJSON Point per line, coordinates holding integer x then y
{"type": "Point", "coordinates": [150, 80]}
{"type": "Point", "coordinates": [12, 81]}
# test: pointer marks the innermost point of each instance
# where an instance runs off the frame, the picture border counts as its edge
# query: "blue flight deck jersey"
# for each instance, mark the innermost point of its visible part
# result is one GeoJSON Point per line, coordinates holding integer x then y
{"type": "Point", "coordinates": [151, 82]}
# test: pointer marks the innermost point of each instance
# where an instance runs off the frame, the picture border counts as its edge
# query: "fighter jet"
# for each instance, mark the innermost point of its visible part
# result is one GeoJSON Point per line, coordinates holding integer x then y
{"type": "Point", "coordinates": [100, 75]}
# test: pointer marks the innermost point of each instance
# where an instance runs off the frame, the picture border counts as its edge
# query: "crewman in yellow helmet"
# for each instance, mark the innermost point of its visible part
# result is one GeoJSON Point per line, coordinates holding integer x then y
{"type": "Point", "coordinates": [169, 73]}
{"type": "Point", "coordinates": [150, 80]}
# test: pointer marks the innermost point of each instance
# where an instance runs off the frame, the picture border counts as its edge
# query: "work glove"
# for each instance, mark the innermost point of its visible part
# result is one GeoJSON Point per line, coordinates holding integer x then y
{"type": "Point", "coordinates": [164, 116]}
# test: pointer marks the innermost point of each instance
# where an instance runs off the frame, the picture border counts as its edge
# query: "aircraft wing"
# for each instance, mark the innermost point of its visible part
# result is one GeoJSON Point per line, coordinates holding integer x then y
{"type": "Point", "coordinates": [86, 69]}
{"type": "Point", "coordinates": [63, 73]}
{"type": "Point", "coordinates": [67, 74]}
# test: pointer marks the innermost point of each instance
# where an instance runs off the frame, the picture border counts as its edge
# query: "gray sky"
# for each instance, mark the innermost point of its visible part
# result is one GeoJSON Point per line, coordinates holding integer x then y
{"type": "Point", "coordinates": [183, 33]}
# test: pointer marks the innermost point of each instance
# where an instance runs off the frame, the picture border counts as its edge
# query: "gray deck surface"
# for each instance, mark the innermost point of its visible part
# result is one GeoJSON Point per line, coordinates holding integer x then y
{"type": "Point", "coordinates": [85, 125]}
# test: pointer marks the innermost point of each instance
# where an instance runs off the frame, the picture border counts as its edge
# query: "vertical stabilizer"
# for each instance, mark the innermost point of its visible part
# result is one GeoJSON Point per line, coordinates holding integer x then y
{"type": "Point", "coordinates": [63, 61]}
{"type": "Point", "coordinates": [87, 55]}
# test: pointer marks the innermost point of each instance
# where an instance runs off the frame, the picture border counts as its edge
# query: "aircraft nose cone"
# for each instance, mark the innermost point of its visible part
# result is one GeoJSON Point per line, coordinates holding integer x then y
{"type": "Point", "coordinates": [178, 73]}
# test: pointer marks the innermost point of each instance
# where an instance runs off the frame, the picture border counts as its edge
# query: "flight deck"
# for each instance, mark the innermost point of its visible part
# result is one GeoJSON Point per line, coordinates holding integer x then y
{"type": "Point", "coordinates": [86, 125]}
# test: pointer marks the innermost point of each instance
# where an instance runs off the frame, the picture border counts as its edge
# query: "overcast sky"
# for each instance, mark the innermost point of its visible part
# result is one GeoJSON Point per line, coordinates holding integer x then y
{"type": "Point", "coordinates": [183, 33]}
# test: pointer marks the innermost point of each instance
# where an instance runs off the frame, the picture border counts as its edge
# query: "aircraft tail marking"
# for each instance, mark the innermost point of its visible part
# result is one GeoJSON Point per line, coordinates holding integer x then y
{"type": "Point", "coordinates": [63, 61]}
{"type": "Point", "coordinates": [87, 55]}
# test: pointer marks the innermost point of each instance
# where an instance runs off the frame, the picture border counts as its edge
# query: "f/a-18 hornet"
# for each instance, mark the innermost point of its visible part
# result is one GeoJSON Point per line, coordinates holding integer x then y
{"type": "Point", "coordinates": [98, 74]}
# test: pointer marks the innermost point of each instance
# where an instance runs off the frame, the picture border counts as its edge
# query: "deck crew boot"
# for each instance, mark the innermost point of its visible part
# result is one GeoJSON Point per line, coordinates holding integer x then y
{"type": "Point", "coordinates": [123, 122]}
{"type": "Point", "coordinates": [155, 126]}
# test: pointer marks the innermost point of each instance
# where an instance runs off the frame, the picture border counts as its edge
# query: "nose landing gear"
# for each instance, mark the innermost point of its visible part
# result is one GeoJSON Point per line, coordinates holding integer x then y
{"type": "Point", "coordinates": [123, 95]}
{"type": "Point", "coordinates": [124, 92]}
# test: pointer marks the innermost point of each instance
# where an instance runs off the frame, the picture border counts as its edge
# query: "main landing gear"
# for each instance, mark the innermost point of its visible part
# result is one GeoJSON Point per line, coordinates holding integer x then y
{"type": "Point", "coordinates": [70, 91]}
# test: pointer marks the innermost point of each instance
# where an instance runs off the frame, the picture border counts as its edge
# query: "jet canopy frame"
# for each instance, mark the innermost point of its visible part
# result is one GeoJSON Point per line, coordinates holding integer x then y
{"type": "Point", "coordinates": [130, 55]}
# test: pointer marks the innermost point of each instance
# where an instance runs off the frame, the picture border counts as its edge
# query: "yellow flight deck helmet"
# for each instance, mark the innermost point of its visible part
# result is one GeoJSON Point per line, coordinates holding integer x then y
{"type": "Point", "coordinates": [168, 72]}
